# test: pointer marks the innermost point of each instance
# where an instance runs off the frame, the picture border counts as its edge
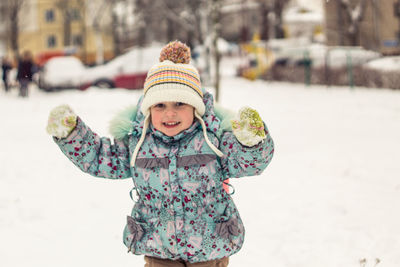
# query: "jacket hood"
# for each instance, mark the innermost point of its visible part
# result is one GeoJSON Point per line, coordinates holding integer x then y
{"type": "Point", "coordinates": [130, 120]}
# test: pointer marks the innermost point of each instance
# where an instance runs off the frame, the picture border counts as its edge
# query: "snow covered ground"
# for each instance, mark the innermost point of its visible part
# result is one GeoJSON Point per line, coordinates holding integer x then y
{"type": "Point", "coordinates": [330, 197]}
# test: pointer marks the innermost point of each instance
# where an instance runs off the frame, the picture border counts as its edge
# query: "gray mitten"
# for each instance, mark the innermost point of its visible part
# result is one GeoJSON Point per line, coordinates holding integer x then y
{"type": "Point", "coordinates": [62, 120]}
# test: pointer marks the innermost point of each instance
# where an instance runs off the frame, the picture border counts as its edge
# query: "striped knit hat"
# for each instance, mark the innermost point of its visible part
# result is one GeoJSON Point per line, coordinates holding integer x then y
{"type": "Point", "coordinates": [173, 80]}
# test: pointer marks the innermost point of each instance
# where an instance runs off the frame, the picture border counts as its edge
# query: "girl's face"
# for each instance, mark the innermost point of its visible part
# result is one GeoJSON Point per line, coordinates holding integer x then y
{"type": "Point", "coordinates": [171, 118]}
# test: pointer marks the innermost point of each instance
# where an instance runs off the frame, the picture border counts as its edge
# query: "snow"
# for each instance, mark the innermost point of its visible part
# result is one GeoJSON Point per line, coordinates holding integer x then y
{"type": "Point", "coordinates": [330, 197]}
{"type": "Point", "coordinates": [385, 64]}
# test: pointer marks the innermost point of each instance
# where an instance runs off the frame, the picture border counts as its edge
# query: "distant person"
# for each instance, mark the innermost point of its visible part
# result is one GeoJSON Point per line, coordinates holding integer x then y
{"type": "Point", "coordinates": [6, 67]}
{"type": "Point", "coordinates": [178, 152]}
{"type": "Point", "coordinates": [25, 73]}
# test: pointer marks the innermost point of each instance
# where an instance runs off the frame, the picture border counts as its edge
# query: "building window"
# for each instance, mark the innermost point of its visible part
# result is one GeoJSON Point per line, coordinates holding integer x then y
{"type": "Point", "coordinates": [49, 15]}
{"type": "Point", "coordinates": [77, 40]}
{"type": "Point", "coordinates": [51, 41]}
{"type": "Point", "coordinates": [75, 15]}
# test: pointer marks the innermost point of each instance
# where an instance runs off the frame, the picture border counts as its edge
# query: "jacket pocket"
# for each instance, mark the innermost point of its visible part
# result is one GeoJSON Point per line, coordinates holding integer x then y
{"type": "Point", "coordinates": [226, 229]}
{"type": "Point", "coordinates": [228, 226]}
{"type": "Point", "coordinates": [136, 233]}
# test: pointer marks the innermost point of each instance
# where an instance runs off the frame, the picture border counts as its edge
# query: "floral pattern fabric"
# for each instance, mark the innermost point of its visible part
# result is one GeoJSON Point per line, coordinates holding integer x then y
{"type": "Point", "coordinates": [182, 211]}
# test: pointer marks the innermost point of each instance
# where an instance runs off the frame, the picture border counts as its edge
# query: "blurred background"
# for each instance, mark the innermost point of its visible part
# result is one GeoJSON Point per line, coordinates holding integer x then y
{"type": "Point", "coordinates": [340, 42]}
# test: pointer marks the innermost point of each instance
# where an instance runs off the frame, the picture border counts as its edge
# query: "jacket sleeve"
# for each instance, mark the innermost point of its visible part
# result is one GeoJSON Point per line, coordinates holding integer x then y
{"type": "Point", "coordinates": [239, 160]}
{"type": "Point", "coordinates": [96, 155]}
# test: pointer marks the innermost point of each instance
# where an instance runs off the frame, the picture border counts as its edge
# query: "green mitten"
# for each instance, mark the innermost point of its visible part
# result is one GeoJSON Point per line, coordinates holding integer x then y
{"type": "Point", "coordinates": [248, 128]}
{"type": "Point", "coordinates": [62, 120]}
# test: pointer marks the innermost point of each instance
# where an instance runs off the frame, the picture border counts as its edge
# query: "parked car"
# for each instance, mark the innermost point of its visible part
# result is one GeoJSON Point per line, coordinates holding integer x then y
{"type": "Point", "coordinates": [286, 53]}
{"type": "Point", "coordinates": [61, 73]}
{"type": "Point", "coordinates": [126, 71]}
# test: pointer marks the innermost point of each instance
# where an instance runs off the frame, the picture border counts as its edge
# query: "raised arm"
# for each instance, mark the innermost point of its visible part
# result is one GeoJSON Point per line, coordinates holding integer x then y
{"type": "Point", "coordinates": [92, 154]}
{"type": "Point", "coordinates": [248, 148]}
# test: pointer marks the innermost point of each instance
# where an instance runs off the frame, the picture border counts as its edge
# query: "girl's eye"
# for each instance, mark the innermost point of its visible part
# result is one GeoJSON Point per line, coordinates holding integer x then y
{"type": "Point", "coordinates": [179, 104]}
{"type": "Point", "coordinates": [159, 105]}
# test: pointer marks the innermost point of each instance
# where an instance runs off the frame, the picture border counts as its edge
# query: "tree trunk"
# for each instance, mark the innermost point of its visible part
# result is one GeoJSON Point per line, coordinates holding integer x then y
{"type": "Point", "coordinates": [14, 30]}
{"type": "Point", "coordinates": [278, 9]}
{"type": "Point", "coordinates": [354, 36]}
{"type": "Point", "coordinates": [115, 34]}
{"type": "Point", "coordinates": [67, 30]}
{"type": "Point", "coordinates": [170, 30]}
{"type": "Point", "coordinates": [199, 33]}
{"type": "Point", "coordinates": [264, 22]}
{"type": "Point", "coordinates": [63, 6]}
{"type": "Point", "coordinates": [84, 33]}
{"type": "Point", "coordinates": [10, 16]}
{"type": "Point", "coordinates": [353, 29]}
{"type": "Point", "coordinates": [216, 32]}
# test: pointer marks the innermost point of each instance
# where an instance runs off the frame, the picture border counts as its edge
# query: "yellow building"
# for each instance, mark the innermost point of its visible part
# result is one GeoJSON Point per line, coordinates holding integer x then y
{"type": "Point", "coordinates": [49, 27]}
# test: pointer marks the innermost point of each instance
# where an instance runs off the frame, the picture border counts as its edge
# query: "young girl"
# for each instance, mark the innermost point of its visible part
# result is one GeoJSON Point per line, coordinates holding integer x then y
{"type": "Point", "coordinates": [178, 148]}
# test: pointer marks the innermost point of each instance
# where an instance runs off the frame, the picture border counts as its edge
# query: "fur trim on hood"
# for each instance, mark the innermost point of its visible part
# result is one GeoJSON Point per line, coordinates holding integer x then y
{"type": "Point", "coordinates": [122, 124]}
{"type": "Point", "coordinates": [225, 115]}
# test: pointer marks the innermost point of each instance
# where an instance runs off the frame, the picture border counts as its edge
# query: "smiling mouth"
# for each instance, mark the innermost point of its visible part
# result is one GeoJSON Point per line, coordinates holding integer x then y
{"type": "Point", "coordinates": [170, 124]}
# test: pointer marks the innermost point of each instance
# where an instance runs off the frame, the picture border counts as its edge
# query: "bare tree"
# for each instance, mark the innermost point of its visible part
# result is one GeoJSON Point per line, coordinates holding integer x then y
{"type": "Point", "coordinates": [354, 15]}
{"type": "Point", "coordinates": [215, 14]}
{"type": "Point", "coordinates": [10, 11]}
{"type": "Point", "coordinates": [71, 11]}
{"type": "Point", "coordinates": [195, 11]}
{"type": "Point", "coordinates": [144, 12]}
{"type": "Point", "coordinates": [64, 7]}
{"type": "Point", "coordinates": [170, 19]}
{"type": "Point", "coordinates": [83, 30]}
{"type": "Point", "coordinates": [116, 22]}
{"type": "Point", "coordinates": [278, 7]}
{"type": "Point", "coordinates": [96, 17]}
{"type": "Point", "coordinates": [265, 10]}
{"type": "Point", "coordinates": [123, 24]}
{"type": "Point", "coordinates": [271, 13]}
{"type": "Point", "coordinates": [190, 21]}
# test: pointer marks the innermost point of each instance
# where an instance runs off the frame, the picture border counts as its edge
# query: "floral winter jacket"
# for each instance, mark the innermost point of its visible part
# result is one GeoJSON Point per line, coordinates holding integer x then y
{"type": "Point", "coordinates": [182, 211]}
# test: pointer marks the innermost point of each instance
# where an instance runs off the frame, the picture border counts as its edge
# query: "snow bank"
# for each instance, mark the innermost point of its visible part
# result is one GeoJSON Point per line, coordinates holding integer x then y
{"type": "Point", "coordinates": [385, 64]}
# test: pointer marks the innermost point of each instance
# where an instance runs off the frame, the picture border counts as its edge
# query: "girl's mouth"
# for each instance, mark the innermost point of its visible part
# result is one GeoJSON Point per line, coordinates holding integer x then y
{"type": "Point", "coordinates": [170, 124]}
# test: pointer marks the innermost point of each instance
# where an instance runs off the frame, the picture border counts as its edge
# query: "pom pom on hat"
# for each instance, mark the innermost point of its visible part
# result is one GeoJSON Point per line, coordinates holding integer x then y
{"type": "Point", "coordinates": [176, 52]}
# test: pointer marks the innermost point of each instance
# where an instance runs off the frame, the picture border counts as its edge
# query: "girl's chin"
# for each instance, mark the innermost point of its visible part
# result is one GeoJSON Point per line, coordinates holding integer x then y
{"type": "Point", "coordinates": [170, 132]}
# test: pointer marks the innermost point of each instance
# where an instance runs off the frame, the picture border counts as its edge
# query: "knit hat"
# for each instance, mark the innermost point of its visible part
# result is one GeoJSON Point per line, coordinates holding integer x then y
{"type": "Point", "coordinates": [174, 79]}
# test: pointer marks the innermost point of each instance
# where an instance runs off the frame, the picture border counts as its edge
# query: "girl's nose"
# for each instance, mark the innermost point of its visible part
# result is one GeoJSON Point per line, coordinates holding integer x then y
{"type": "Point", "coordinates": [170, 112]}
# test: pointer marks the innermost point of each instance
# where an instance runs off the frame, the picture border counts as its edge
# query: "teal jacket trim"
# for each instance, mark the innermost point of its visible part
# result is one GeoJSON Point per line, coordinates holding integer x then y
{"type": "Point", "coordinates": [121, 125]}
